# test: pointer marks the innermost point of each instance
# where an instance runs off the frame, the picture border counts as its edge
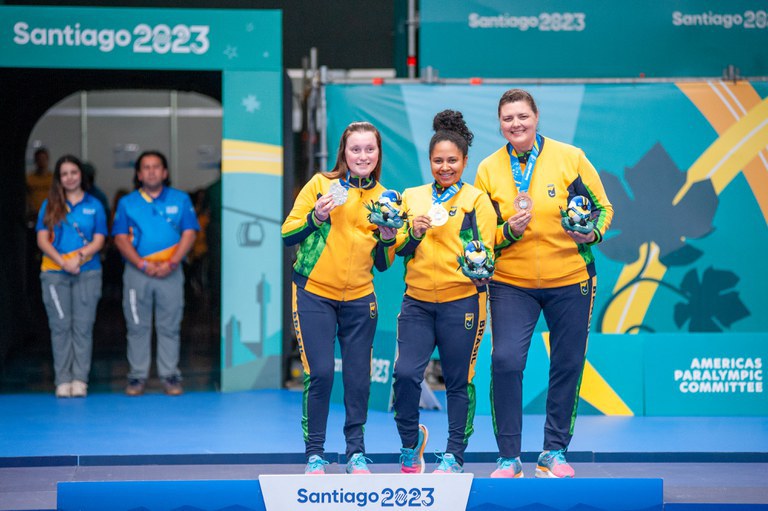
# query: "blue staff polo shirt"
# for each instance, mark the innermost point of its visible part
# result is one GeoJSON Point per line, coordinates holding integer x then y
{"type": "Point", "coordinates": [155, 225]}
{"type": "Point", "coordinates": [83, 220]}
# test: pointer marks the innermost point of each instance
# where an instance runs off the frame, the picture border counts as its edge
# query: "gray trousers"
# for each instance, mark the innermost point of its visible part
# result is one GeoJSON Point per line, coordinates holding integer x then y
{"type": "Point", "coordinates": [70, 301]}
{"type": "Point", "coordinates": [141, 295]}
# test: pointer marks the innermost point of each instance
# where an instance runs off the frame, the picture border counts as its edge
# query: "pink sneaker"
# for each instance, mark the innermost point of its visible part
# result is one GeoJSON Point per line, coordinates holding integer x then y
{"type": "Point", "coordinates": [552, 464]}
{"type": "Point", "coordinates": [508, 467]}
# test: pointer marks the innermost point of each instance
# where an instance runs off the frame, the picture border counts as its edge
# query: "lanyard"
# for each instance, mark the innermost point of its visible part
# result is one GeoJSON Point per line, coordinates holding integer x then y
{"type": "Point", "coordinates": [523, 179]}
{"type": "Point", "coordinates": [356, 182]}
{"type": "Point", "coordinates": [147, 197]}
{"type": "Point", "coordinates": [74, 224]}
{"type": "Point", "coordinates": [447, 194]}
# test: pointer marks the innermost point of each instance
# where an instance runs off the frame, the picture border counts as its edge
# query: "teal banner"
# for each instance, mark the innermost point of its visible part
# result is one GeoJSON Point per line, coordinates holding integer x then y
{"type": "Point", "coordinates": [592, 38]}
{"type": "Point", "coordinates": [122, 38]}
{"type": "Point", "coordinates": [685, 166]}
{"type": "Point", "coordinates": [702, 375]}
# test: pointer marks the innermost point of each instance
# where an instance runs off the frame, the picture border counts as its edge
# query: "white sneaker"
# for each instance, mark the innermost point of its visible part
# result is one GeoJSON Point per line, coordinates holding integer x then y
{"type": "Point", "coordinates": [79, 388]}
{"type": "Point", "coordinates": [64, 390]}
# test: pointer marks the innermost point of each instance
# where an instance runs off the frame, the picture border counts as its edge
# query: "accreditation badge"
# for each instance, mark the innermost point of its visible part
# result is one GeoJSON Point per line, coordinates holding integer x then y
{"type": "Point", "coordinates": [438, 215]}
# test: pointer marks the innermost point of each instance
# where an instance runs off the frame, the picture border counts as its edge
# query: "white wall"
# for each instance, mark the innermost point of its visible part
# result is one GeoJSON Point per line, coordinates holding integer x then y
{"type": "Point", "coordinates": [119, 124]}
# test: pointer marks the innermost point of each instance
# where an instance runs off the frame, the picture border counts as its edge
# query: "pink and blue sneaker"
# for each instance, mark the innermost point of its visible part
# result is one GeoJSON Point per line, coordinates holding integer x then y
{"type": "Point", "coordinates": [508, 467]}
{"type": "Point", "coordinates": [448, 464]}
{"type": "Point", "coordinates": [315, 465]}
{"type": "Point", "coordinates": [358, 464]}
{"type": "Point", "coordinates": [412, 460]}
{"type": "Point", "coordinates": [552, 464]}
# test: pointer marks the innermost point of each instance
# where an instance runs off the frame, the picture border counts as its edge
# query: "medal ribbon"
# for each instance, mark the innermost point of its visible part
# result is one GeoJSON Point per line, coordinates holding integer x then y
{"type": "Point", "coordinates": [523, 179]}
{"type": "Point", "coordinates": [356, 182]}
{"type": "Point", "coordinates": [345, 182]}
{"type": "Point", "coordinates": [447, 193]}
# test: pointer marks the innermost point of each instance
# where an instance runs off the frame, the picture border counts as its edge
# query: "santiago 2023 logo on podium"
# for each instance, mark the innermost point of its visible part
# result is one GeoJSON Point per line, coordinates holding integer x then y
{"type": "Point", "coordinates": [340, 492]}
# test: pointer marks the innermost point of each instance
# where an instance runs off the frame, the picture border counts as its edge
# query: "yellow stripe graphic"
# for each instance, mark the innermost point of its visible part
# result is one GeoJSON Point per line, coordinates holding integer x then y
{"type": "Point", "coordinates": [595, 390]}
{"type": "Point", "coordinates": [297, 328]}
{"type": "Point", "coordinates": [724, 103]}
{"type": "Point", "coordinates": [735, 148]}
{"type": "Point", "coordinates": [239, 156]}
{"type": "Point", "coordinates": [629, 308]}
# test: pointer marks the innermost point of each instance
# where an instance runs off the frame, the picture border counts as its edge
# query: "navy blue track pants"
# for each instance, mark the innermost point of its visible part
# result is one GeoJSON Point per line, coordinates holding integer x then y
{"type": "Point", "coordinates": [514, 314]}
{"type": "Point", "coordinates": [456, 328]}
{"type": "Point", "coordinates": [318, 322]}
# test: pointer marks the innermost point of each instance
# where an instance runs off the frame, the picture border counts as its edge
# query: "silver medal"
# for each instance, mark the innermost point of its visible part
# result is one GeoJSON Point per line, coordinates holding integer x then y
{"type": "Point", "coordinates": [339, 193]}
{"type": "Point", "coordinates": [438, 214]}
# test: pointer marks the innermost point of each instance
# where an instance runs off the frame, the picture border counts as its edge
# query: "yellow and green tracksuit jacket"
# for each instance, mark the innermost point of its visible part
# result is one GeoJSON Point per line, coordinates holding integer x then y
{"type": "Point", "coordinates": [544, 256]}
{"type": "Point", "coordinates": [431, 270]}
{"type": "Point", "coordinates": [336, 257]}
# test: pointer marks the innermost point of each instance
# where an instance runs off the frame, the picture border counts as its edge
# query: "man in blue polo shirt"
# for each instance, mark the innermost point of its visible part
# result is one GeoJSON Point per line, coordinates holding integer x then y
{"type": "Point", "coordinates": [154, 228]}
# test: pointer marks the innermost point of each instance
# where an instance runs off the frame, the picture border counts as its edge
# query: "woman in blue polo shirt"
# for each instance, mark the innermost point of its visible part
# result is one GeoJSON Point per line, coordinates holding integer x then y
{"type": "Point", "coordinates": [71, 228]}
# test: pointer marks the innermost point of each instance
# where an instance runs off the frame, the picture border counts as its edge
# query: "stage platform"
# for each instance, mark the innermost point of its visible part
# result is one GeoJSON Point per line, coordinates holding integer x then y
{"type": "Point", "coordinates": [238, 436]}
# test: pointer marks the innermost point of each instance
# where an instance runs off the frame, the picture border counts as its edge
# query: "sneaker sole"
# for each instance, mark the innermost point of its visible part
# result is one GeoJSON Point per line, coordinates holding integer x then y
{"type": "Point", "coordinates": [423, 428]}
{"type": "Point", "coordinates": [519, 475]}
{"type": "Point", "coordinates": [545, 473]}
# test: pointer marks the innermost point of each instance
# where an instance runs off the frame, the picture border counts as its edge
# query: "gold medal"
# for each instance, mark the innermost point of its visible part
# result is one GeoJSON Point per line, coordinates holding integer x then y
{"type": "Point", "coordinates": [438, 215]}
{"type": "Point", "coordinates": [523, 202]}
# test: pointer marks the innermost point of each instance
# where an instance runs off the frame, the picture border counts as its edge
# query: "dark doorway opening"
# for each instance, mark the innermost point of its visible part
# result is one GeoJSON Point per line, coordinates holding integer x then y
{"type": "Point", "coordinates": [25, 353]}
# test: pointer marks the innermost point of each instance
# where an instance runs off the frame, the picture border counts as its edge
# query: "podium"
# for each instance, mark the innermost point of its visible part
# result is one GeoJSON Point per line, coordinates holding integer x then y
{"type": "Point", "coordinates": [484, 494]}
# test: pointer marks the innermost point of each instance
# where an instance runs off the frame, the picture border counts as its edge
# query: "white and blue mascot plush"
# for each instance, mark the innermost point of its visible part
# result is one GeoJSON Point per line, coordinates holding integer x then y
{"type": "Point", "coordinates": [578, 216]}
{"type": "Point", "coordinates": [387, 211]}
{"type": "Point", "coordinates": [476, 262]}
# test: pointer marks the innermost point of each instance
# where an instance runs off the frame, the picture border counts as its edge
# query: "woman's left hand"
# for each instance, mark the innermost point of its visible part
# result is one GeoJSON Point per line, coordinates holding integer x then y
{"type": "Point", "coordinates": [581, 238]}
{"type": "Point", "coordinates": [387, 233]}
{"type": "Point", "coordinates": [481, 282]}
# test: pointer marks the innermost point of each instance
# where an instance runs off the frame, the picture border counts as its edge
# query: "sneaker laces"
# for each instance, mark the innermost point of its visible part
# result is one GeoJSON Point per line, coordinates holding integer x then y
{"type": "Point", "coordinates": [359, 460]}
{"type": "Point", "coordinates": [505, 463]}
{"type": "Point", "coordinates": [556, 456]}
{"type": "Point", "coordinates": [408, 456]}
{"type": "Point", "coordinates": [316, 463]}
{"type": "Point", "coordinates": [447, 460]}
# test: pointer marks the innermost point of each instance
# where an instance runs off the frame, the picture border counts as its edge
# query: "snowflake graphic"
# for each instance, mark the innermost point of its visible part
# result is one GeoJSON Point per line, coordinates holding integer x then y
{"type": "Point", "coordinates": [251, 104]}
{"type": "Point", "coordinates": [230, 52]}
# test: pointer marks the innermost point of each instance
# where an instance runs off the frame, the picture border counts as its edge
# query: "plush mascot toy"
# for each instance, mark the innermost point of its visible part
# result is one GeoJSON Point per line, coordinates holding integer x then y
{"type": "Point", "coordinates": [387, 211]}
{"type": "Point", "coordinates": [578, 216]}
{"type": "Point", "coordinates": [476, 262]}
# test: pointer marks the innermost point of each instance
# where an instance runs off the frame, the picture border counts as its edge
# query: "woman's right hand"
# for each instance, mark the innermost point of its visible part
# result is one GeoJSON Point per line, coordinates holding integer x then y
{"type": "Point", "coordinates": [71, 265]}
{"type": "Point", "coordinates": [324, 206]}
{"type": "Point", "coordinates": [420, 225]}
{"type": "Point", "coordinates": [519, 221]}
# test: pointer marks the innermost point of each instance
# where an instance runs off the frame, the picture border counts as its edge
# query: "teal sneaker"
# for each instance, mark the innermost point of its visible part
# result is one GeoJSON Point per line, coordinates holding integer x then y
{"type": "Point", "coordinates": [315, 465]}
{"type": "Point", "coordinates": [552, 464]}
{"type": "Point", "coordinates": [508, 467]}
{"type": "Point", "coordinates": [412, 460]}
{"type": "Point", "coordinates": [358, 464]}
{"type": "Point", "coordinates": [448, 465]}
